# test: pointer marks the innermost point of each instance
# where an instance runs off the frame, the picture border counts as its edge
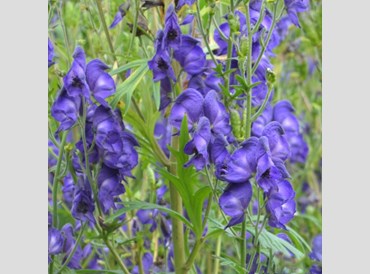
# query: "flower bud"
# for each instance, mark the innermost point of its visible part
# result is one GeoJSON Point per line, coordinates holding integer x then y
{"type": "Point", "coordinates": [244, 46]}
{"type": "Point", "coordinates": [235, 122]}
{"type": "Point", "coordinates": [270, 76]}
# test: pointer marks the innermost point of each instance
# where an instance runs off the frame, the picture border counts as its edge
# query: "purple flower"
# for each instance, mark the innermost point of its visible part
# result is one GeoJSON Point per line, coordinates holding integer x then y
{"type": "Point", "coordinates": [216, 112]}
{"type": "Point", "coordinates": [182, 3]}
{"type": "Point", "coordinates": [172, 31]}
{"type": "Point", "coordinates": [65, 110]}
{"type": "Point", "coordinates": [108, 129]}
{"type": "Point", "coordinates": [235, 200]}
{"type": "Point", "coordinates": [295, 6]}
{"type": "Point", "coordinates": [217, 150]}
{"type": "Point", "coordinates": [242, 163]}
{"type": "Point", "coordinates": [68, 189]}
{"type": "Point", "coordinates": [190, 55]}
{"type": "Point", "coordinates": [280, 204]}
{"type": "Point", "coordinates": [55, 244]}
{"type": "Point", "coordinates": [188, 19]}
{"type": "Point", "coordinates": [161, 66]}
{"type": "Point", "coordinates": [298, 147]}
{"type": "Point", "coordinates": [189, 102]}
{"type": "Point", "coordinates": [270, 171]}
{"type": "Point", "coordinates": [109, 184]}
{"type": "Point", "coordinates": [162, 132]}
{"type": "Point", "coordinates": [50, 53]}
{"type": "Point", "coordinates": [316, 253]}
{"type": "Point", "coordinates": [83, 205]}
{"type": "Point", "coordinates": [278, 143]}
{"type": "Point", "coordinates": [125, 159]}
{"type": "Point", "coordinates": [199, 144]}
{"type": "Point", "coordinates": [122, 9]}
{"type": "Point", "coordinates": [101, 83]}
{"type": "Point", "coordinates": [165, 89]}
{"type": "Point", "coordinates": [284, 114]}
{"type": "Point", "coordinates": [75, 79]}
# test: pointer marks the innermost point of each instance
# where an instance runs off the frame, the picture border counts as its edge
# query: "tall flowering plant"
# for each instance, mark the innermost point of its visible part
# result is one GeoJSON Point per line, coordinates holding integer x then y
{"type": "Point", "coordinates": [173, 147]}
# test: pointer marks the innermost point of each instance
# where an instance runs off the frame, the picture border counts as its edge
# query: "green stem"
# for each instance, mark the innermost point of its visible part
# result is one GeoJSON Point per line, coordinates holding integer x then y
{"type": "Point", "coordinates": [176, 205]}
{"type": "Point", "coordinates": [243, 244]}
{"type": "Point", "coordinates": [218, 252]}
{"type": "Point", "coordinates": [249, 76]}
{"type": "Point", "coordinates": [78, 240]}
{"type": "Point", "coordinates": [200, 25]}
{"type": "Point", "coordinates": [189, 263]}
{"type": "Point", "coordinates": [134, 28]}
{"type": "Point", "coordinates": [56, 179]}
{"type": "Point", "coordinates": [116, 256]}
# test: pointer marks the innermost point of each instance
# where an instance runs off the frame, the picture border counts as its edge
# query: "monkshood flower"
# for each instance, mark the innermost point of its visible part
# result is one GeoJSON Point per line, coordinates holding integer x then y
{"type": "Point", "coordinates": [65, 109]}
{"type": "Point", "coordinates": [75, 79]}
{"type": "Point", "coordinates": [235, 200]}
{"type": "Point", "coordinates": [278, 144]}
{"type": "Point", "coordinates": [188, 19]}
{"type": "Point", "coordinates": [316, 253]}
{"type": "Point", "coordinates": [199, 144]}
{"type": "Point", "coordinates": [189, 102]}
{"type": "Point", "coordinates": [110, 186]}
{"type": "Point", "coordinates": [171, 31]}
{"type": "Point", "coordinates": [295, 6]}
{"type": "Point", "coordinates": [101, 83]}
{"type": "Point", "coordinates": [242, 163]}
{"type": "Point", "coordinates": [68, 189]}
{"type": "Point", "coordinates": [190, 55]}
{"type": "Point", "coordinates": [122, 10]}
{"type": "Point", "coordinates": [284, 114]}
{"type": "Point", "coordinates": [270, 170]}
{"type": "Point", "coordinates": [280, 204]}
{"type": "Point", "coordinates": [83, 204]}
{"type": "Point", "coordinates": [161, 66]}
{"type": "Point", "coordinates": [56, 241]}
{"type": "Point", "coordinates": [108, 129]}
{"type": "Point", "coordinates": [50, 53]}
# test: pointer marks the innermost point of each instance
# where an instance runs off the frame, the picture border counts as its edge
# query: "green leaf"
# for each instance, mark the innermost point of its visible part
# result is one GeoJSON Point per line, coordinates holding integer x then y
{"type": "Point", "coordinates": [227, 261]}
{"type": "Point", "coordinates": [269, 240]}
{"type": "Point", "coordinates": [297, 239]}
{"type": "Point", "coordinates": [126, 89]}
{"type": "Point", "coordinates": [128, 66]}
{"type": "Point", "coordinates": [133, 205]}
{"type": "Point", "coordinates": [198, 199]}
{"type": "Point", "coordinates": [157, 94]}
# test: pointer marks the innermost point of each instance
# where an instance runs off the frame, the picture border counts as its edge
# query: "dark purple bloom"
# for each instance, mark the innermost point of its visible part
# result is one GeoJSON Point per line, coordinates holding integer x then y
{"type": "Point", "coordinates": [295, 6]}
{"type": "Point", "coordinates": [165, 89]}
{"type": "Point", "coordinates": [199, 144]}
{"type": "Point", "coordinates": [83, 204]}
{"type": "Point", "coordinates": [270, 171]}
{"type": "Point", "coordinates": [235, 200]}
{"type": "Point", "coordinates": [108, 128]}
{"type": "Point", "coordinates": [55, 244]}
{"type": "Point", "coordinates": [110, 186]}
{"type": "Point", "coordinates": [122, 9]}
{"type": "Point", "coordinates": [65, 110]}
{"type": "Point", "coordinates": [68, 189]}
{"type": "Point", "coordinates": [194, 62]}
{"type": "Point", "coordinates": [50, 53]}
{"type": "Point", "coordinates": [75, 79]}
{"type": "Point", "coordinates": [298, 147]}
{"type": "Point", "coordinates": [189, 102]}
{"type": "Point", "coordinates": [278, 144]}
{"type": "Point", "coordinates": [101, 83]}
{"type": "Point", "coordinates": [161, 66]}
{"type": "Point", "coordinates": [217, 150]}
{"type": "Point", "coordinates": [125, 159]}
{"type": "Point", "coordinates": [242, 163]}
{"type": "Point", "coordinates": [172, 31]}
{"type": "Point", "coordinates": [316, 253]}
{"type": "Point", "coordinates": [280, 204]}
{"type": "Point", "coordinates": [216, 112]}
{"type": "Point", "coordinates": [284, 114]}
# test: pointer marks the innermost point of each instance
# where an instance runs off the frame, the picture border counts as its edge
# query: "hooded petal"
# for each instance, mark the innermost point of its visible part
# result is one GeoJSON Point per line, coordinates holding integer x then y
{"type": "Point", "coordinates": [278, 143]}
